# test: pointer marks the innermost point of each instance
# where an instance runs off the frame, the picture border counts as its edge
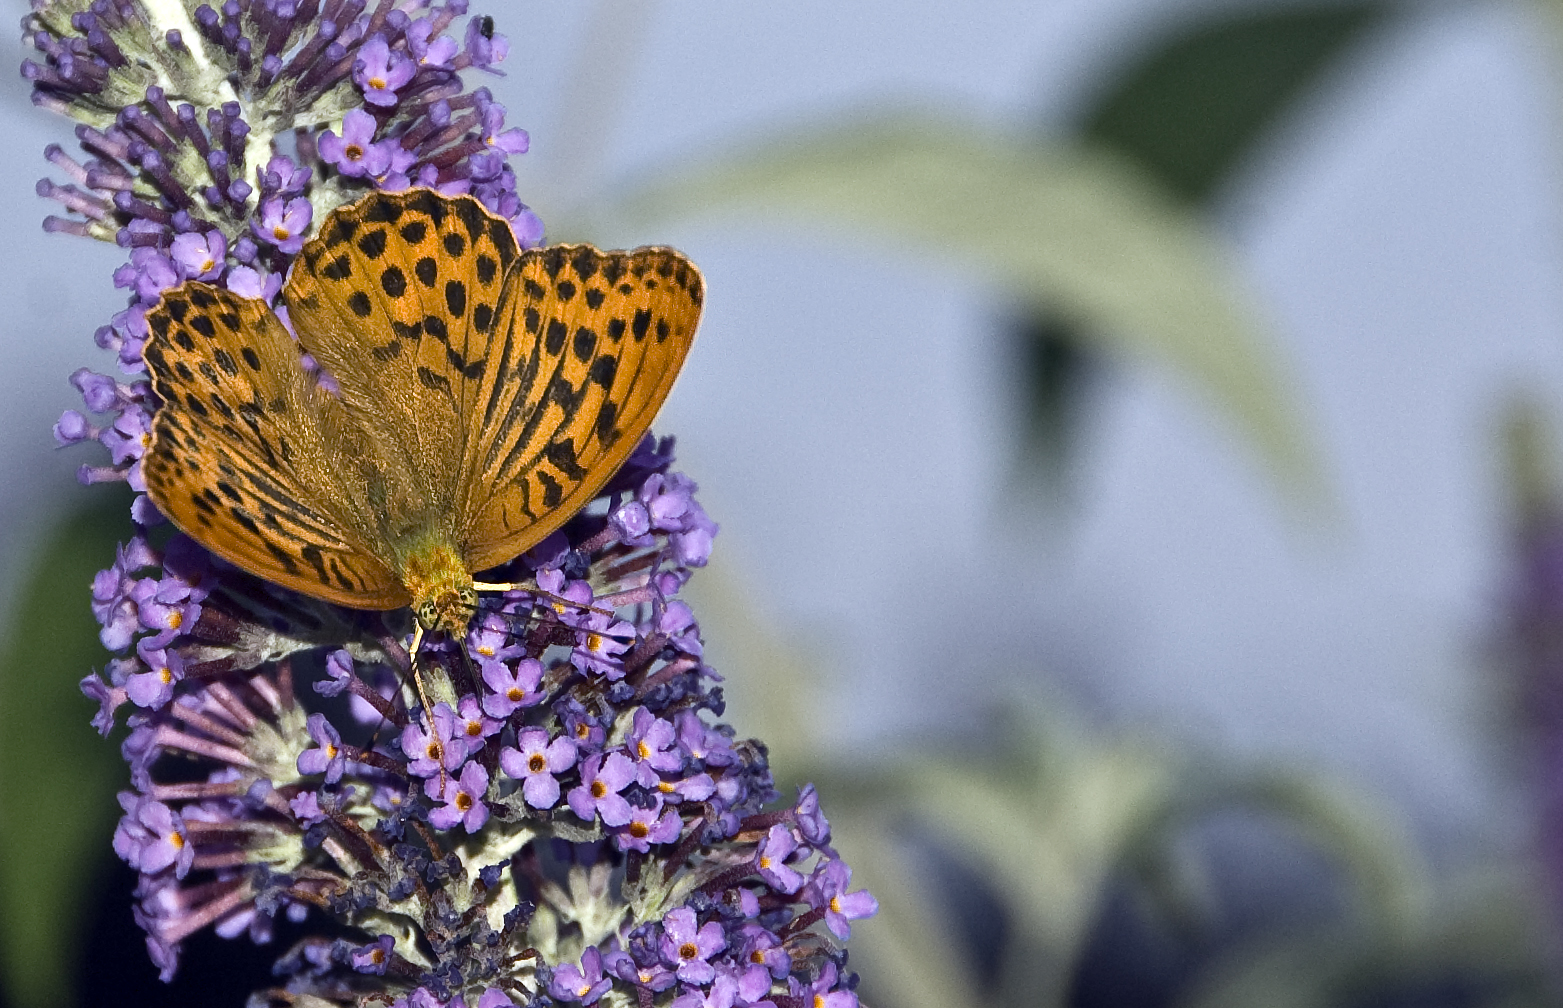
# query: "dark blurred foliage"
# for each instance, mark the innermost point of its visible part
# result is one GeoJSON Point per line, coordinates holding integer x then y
{"type": "Point", "coordinates": [1186, 113]}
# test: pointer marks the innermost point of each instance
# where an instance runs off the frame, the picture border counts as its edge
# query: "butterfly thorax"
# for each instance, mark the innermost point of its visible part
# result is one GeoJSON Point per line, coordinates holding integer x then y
{"type": "Point", "coordinates": [439, 583]}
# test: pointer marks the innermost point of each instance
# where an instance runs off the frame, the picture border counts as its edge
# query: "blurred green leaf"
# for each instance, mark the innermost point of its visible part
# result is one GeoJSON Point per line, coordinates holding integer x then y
{"type": "Point", "coordinates": [57, 777]}
{"type": "Point", "coordinates": [1069, 230]}
{"type": "Point", "coordinates": [1194, 107]}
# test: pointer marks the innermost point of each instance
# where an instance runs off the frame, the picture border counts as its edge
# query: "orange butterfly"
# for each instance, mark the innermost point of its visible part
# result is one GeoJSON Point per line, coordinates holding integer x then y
{"type": "Point", "coordinates": [486, 395]}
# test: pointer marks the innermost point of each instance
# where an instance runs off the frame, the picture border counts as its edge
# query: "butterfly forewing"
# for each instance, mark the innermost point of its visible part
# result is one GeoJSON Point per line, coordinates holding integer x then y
{"type": "Point", "coordinates": [588, 346]}
{"type": "Point", "coordinates": [398, 299]}
{"type": "Point", "coordinates": [245, 452]}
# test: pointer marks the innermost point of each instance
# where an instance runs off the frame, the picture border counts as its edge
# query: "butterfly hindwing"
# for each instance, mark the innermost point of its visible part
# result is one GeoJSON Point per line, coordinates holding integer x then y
{"type": "Point", "coordinates": [588, 346]}
{"type": "Point", "coordinates": [398, 298]}
{"type": "Point", "coordinates": [238, 457]}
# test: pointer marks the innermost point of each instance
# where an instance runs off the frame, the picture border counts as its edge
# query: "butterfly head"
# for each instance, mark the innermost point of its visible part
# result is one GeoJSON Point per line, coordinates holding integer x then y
{"type": "Point", "coordinates": [440, 585]}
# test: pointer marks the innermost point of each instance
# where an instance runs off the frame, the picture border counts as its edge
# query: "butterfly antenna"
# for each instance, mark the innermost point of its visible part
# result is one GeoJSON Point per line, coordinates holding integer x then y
{"type": "Point", "coordinates": [532, 589]}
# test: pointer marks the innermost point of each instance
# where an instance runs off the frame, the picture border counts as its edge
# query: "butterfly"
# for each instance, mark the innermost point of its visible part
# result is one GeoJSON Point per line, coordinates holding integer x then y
{"type": "Point", "coordinates": [482, 396]}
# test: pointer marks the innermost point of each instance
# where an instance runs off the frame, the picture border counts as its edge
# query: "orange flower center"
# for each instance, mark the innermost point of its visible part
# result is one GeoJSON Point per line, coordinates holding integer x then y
{"type": "Point", "coordinates": [352, 152]}
{"type": "Point", "coordinates": [688, 950]}
{"type": "Point", "coordinates": [536, 764]}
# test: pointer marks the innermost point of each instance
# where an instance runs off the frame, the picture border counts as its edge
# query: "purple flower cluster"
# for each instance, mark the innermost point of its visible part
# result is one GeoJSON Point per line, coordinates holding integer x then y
{"type": "Point", "coordinates": [606, 751]}
{"type": "Point", "coordinates": [571, 822]}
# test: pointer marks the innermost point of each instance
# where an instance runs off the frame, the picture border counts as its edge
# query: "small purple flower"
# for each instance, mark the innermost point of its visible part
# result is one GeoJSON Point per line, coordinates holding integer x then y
{"type": "Point", "coordinates": [809, 818]}
{"type": "Point", "coordinates": [631, 523]}
{"type": "Point", "coordinates": [678, 622]}
{"type": "Point", "coordinates": [339, 670]}
{"type": "Point", "coordinates": [686, 946]}
{"type": "Point", "coordinates": [654, 977]}
{"type": "Point", "coordinates": [819, 993]}
{"type": "Point", "coordinates": [511, 689]}
{"type": "Point", "coordinates": [599, 642]}
{"type": "Point", "coordinates": [771, 859]}
{"type": "Point", "coordinates": [328, 757]}
{"type": "Point", "coordinates": [702, 742]}
{"type": "Point", "coordinates": [473, 725]}
{"type": "Point", "coordinates": [490, 638]}
{"type": "Point", "coordinates": [305, 807]}
{"type": "Point", "coordinates": [429, 751]}
{"type": "Point", "coordinates": [149, 273]}
{"type": "Point", "coordinates": [129, 436]}
{"type": "Point", "coordinates": [585, 983]}
{"type": "Point", "coordinates": [462, 798]}
{"type": "Point", "coordinates": [283, 224]}
{"type": "Point", "coordinates": [656, 825]}
{"type": "Point", "coordinates": [761, 947]}
{"type": "Point", "coordinates": [151, 837]}
{"type": "Point", "coordinates": [199, 256]}
{"type": "Point", "coordinates": [827, 890]}
{"type": "Point", "coordinates": [534, 762]}
{"type": "Point", "coordinates": [493, 997]}
{"type": "Point", "coordinates": [723, 994]}
{"type": "Point", "coordinates": [428, 49]}
{"type": "Point", "coordinates": [246, 282]}
{"type": "Point", "coordinates": [696, 788]}
{"type": "Point", "coordinates": [354, 153]}
{"type": "Point", "coordinates": [652, 744]}
{"type": "Point", "coordinates": [380, 71]}
{"type": "Point", "coordinates": [108, 698]}
{"type": "Point", "coordinates": [284, 176]}
{"type": "Point", "coordinates": [508, 141]}
{"type": "Point", "coordinates": [602, 778]}
{"type": "Point", "coordinates": [154, 687]}
{"type": "Point", "coordinates": [485, 48]}
{"type": "Point", "coordinates": [374, 957]}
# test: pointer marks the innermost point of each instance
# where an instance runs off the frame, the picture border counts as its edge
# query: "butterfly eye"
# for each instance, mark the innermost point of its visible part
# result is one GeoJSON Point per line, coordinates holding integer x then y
{"type": "Point", "coordinates": [428, 615]}
{"type": "Point", "coordinates": [467, 598]}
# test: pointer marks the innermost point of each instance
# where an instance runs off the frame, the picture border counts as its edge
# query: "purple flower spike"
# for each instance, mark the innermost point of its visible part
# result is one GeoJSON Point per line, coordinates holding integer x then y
{"type": "Point", "coordinates": [462, 798]}
{"type": "Point", "coordinates": [585, 983]}
{"type": "Point", "coordinates": [374, 957]}
{"type": "Point", "coordinates": [534, 762]}
{"type": "Point", "coordinates": [827, 890]}
{"type": "Point", "coordinates": [602, 778]}
{"type": "Point", "coordinates": [380, 71]}
{"type": "Point", "coordinates": [778, 845]}
{"type": "Point", "coordinates": [283, 224]}
{"type": "Point", "coordinates": [200, 256]}
{"type": "Point", "coordinates": [328, 757]}
{"type": "Point", "coordinates": [427, 752]}
{"type": "Point", "coordinates": [686, 946]}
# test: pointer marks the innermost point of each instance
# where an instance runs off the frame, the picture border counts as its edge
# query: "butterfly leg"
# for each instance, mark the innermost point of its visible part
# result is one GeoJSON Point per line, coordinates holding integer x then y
{"type": "Point", "coordinates": [423, 697]}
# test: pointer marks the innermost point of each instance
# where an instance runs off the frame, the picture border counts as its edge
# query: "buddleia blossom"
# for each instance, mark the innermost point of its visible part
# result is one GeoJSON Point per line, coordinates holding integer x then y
{"type": "Point", "coordinates": [576, 824]}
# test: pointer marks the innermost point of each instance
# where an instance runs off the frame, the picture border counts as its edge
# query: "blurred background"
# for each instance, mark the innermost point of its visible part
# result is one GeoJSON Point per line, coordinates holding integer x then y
{"type": "Point", "coordinates": [1135, 427]}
